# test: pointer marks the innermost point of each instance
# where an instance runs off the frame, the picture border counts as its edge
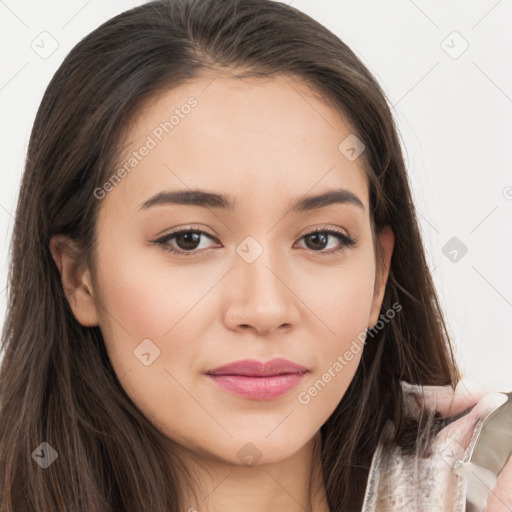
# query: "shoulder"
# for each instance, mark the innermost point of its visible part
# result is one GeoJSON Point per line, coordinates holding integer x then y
{"type": "Point", "coordinates": [428, 483]}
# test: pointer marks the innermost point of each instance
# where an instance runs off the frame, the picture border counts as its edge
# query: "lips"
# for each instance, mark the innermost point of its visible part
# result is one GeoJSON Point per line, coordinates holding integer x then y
{"type": "Point", "coordinates": [253, 368]}
{"type": "Point", "coordinates": [258, 381]}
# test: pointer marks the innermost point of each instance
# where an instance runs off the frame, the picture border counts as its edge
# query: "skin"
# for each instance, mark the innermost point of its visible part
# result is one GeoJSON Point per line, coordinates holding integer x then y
{"type": "Point", "coordinates": [265, 143]}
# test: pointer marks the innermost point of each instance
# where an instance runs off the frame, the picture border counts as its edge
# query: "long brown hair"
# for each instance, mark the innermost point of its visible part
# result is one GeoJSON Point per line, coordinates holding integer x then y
{"type": "Point", "coordinates": [56, 382]}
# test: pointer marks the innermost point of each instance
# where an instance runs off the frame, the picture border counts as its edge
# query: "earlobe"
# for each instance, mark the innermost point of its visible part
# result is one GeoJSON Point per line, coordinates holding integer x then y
{"type": "Point", "coordinates": [76, 280]}
{"type": "Point", "coordinates": [387, 242]}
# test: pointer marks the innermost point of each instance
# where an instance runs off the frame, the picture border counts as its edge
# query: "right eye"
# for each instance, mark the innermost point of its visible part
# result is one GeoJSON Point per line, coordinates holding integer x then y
{"type": "Point", "coordinates": [188, 239]}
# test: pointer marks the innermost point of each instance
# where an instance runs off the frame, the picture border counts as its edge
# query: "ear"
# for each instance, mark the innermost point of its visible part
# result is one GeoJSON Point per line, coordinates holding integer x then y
{"type": "Point", "coordinates": [76, 280]}
{"type": "Point", "coordinates": [387, 242]}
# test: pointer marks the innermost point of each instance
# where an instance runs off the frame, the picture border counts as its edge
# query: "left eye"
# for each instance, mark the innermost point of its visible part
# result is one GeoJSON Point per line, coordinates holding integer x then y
{"type": "Point", "coordinates": [321, 236]}
{"type": "Point", "coordinates": [187, 241]}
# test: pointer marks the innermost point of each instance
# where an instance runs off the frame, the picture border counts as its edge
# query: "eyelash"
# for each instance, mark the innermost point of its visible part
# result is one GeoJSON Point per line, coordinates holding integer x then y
{"type": "Point", "coordinates": [346, 241]}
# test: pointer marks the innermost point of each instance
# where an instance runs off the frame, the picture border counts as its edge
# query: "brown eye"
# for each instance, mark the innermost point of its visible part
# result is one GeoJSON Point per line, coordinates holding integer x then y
{"type": "Point", "coordinates": [318, 240]}
{"type": "Point", "coordinates": [186, 241]}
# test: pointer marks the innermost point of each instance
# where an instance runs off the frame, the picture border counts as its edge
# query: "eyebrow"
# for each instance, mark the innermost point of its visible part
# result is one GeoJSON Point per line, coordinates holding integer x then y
{"type": "Point", "coordinates": [221, 201]}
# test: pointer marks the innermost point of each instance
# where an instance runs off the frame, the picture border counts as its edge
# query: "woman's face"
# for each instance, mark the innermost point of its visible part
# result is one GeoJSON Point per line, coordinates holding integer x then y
{"type": "Point", "coordinates": [254, 285]}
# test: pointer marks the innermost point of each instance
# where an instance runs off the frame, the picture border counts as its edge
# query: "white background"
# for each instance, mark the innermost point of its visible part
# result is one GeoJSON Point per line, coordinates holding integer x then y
{"type": "Point", "coordinates": [454, 115]}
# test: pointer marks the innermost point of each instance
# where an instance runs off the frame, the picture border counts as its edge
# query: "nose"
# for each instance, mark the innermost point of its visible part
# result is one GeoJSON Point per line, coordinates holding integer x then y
{"type": "Point", "coordinates": [261, 298]}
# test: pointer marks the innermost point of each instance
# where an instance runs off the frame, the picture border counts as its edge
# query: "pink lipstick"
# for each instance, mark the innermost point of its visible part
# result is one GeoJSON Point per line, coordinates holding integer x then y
{"type": "Point", "coordinates": [256, 380]}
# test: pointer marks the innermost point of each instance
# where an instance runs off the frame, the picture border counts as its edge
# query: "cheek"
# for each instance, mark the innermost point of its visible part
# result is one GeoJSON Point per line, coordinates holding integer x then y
{"type": "Point", "coordinates": [151, 332]}
{"type": "Point", "coordinates": [167, 305]}
{"type": "Point", "coordinates": [340, 297]}
{"type": "Point", "coordinates": [341, 305]}
{"type": "Point", "coordinates": [147, 299]}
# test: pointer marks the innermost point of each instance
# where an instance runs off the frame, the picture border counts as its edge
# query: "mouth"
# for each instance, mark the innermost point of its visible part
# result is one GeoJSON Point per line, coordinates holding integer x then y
{"type": "Point", "coordinates": [256, 380]}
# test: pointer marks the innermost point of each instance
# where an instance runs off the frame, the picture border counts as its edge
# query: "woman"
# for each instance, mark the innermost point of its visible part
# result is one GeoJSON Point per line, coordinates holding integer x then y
{"type": "Point", "coordinates": [219, 293]}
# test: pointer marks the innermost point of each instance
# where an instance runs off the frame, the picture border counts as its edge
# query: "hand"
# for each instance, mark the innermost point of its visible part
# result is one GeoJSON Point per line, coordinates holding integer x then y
{"type": "Point", "coordinates": [448, 403]}
{"type": "Point", "coordinates": [500, 498]}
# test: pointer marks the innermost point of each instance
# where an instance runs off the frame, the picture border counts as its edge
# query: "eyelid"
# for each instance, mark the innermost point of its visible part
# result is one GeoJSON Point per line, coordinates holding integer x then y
{"type": "Point", "coordinates": [185, 228]}
{"type": "Point", "coordinates": [193, 227]}
{"type": "Point", "coordinates": [326, 228]}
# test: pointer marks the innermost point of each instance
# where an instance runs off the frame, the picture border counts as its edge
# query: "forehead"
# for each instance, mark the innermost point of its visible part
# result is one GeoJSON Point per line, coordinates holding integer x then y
{"type": "Point", "coordinates": [244, 137]}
